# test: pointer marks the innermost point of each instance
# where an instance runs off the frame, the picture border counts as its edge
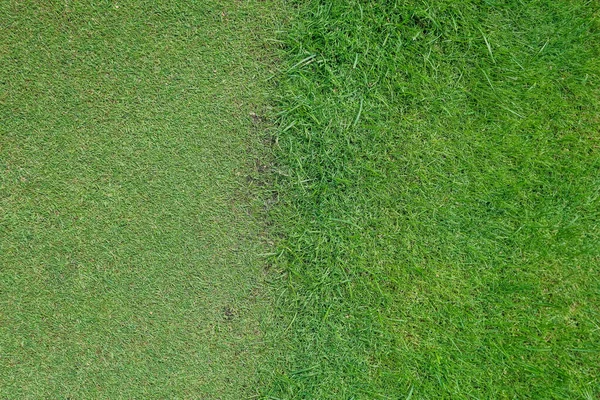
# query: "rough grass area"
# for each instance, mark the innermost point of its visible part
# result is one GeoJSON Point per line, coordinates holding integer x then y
{"type": "Point", "coordinates": [129, 240]}
{"type": "Point", "coordinates": [439, 186]}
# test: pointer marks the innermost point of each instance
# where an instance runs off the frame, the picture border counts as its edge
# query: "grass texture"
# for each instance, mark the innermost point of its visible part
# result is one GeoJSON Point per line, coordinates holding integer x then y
{"type": "Point", "coordinates": [438, 174]}
{"type": "Point", "coordinates": [129, 237]}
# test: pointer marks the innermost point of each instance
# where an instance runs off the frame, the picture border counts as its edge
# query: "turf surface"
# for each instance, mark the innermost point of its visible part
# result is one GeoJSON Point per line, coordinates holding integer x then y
{"type": "Point", "coordinates": [433, 199]}
{"type": "Point", "coordinates": [439, 179]}
{"type": "Point", "coordinates": [129, 238]}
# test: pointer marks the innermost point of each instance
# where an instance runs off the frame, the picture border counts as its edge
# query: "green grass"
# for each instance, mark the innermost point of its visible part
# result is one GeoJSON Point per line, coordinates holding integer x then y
{"type": "Point", "coordinates": [438, 174]}
{"type": "Point", "coordinates": [129, 236]}
{"type": "Point", "coordinates": [433, 199]}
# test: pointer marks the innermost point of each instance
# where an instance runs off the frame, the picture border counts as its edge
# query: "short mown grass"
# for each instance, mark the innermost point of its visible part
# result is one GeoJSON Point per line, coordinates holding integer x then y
{"type": "Point", "coordinates": [438, 172]}
{"type": "Point", "coordinates": [129, 236]}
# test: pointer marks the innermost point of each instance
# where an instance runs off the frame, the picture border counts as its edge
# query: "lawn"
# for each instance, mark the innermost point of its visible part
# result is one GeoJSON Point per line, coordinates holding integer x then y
{"type": "Point", "coordinates": [129, 236]}
{"type": "Point", "coordinates": [438, 170]}
{"type": "Point", "coordinates": [300, 200]}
